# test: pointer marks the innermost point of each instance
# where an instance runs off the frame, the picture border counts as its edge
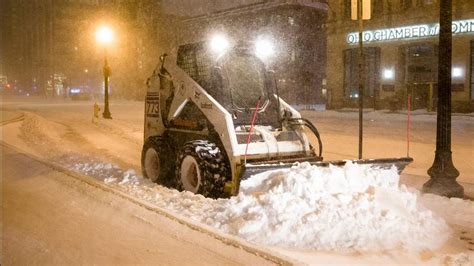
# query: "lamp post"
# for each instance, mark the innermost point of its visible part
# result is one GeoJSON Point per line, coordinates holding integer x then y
{"type": "Point", "coordinates": [443, 173]}
{"type": "Point", "coordinates": [360, 11]}
{"type": "Point", "coordinates": [360, 17]}
{"type": "Point", "coordinates": [105, 37]}
{"type": "Point", "coordinates": [86, 79]}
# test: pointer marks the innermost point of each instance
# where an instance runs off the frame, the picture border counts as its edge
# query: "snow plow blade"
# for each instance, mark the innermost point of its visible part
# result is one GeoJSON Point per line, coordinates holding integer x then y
{"type": "Point", "coordinates": [384, 163]}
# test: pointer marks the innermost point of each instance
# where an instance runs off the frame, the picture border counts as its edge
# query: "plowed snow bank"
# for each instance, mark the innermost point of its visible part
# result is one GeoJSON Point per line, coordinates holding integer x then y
{"type": "Point", "coordinates": [41, 133]}
{"type": "Point", "coordinates": [350, 208]}
{"type": "Point", "coordinates": [353, 208]}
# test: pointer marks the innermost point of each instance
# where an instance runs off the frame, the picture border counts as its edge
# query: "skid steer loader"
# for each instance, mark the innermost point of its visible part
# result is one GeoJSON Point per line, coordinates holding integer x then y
{"type": "Point", "coordinates": [215, 117]}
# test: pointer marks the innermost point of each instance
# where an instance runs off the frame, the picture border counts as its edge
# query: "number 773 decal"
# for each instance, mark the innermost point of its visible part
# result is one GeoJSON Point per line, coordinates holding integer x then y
{"type": "Point", "coordinates": [152, 106]}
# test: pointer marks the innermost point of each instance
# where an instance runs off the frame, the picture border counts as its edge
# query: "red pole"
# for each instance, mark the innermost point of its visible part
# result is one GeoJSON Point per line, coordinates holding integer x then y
{"type": "Point", "coordinates": [408, 125]}
{"type": "Point", "coordinates": [251, 129]}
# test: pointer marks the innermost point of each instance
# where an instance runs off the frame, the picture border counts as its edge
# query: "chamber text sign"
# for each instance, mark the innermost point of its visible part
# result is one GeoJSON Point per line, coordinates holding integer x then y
{"type": "Point", "coordinates": [410, 32]}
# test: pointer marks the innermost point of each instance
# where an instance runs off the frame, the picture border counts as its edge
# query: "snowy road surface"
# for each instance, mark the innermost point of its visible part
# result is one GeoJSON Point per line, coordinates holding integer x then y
{"type": "Point", "coordinates": [51, 218]}
{"type": "Point", "coordinates": [62, 132]}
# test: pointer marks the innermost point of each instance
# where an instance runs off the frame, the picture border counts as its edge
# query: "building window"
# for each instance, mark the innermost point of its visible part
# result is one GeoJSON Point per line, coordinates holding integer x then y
{"type": "Point", "coordinates": [351, 71]}
{"type": "Point", "coordinates": [378, 6]}
{"type": "Point", "coordinates": [347, 9]}
{"type": "Point", "coordinates": [472, 70]}
{"type": "Point", "coordinates": [420, 72]}
{"type": "Point", "coordinates": [421, 63]}
{"type": "Point", "coordinates": [291, 21]}
{"type": "Point", "coordinates": [420, 3]}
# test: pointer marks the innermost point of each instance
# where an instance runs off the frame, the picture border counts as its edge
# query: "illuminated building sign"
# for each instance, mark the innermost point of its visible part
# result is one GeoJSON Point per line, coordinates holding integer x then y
{"type": "Point", "coordinates": [409, 32]}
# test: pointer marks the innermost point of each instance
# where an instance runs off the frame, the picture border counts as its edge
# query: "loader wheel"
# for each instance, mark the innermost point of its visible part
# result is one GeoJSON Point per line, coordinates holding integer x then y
{"type": "Point", "coordinates": [158, 161]}
{"type": "Point", "coordinates": [202, 168]}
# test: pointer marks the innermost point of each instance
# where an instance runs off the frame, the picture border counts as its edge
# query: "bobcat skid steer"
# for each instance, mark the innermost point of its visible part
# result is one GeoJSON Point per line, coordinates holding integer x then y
{"type": "Point", "coordinates": [214, 118]}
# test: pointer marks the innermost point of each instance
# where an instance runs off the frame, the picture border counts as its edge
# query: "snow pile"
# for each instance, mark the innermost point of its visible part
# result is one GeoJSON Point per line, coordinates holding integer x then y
{"type": "Point", "coordinates": [348, 208]}
{"type": "Point", "coordinates": [40, 133]}
{"type": "Point", "coordinates": [351, 208]}
{"type": "Point", "coordinates": [106, 172]}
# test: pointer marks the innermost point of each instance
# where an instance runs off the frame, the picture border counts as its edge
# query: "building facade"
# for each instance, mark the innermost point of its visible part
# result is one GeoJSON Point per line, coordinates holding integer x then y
{"type": "Point", "coordinates": [49, 45]}
{"type": "Point", "coordinates": [296, 27]}
{"type": "Point", "coordinates": [401, 54]}
{"type": "Point", "coordinates": [43, 42]}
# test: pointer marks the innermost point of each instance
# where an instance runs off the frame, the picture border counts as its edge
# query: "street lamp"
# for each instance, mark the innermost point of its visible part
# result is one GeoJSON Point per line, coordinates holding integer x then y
{"type": "Point", "coordinates": [105, 36]}
{"type": "Point", "coordinates": [443, 173]}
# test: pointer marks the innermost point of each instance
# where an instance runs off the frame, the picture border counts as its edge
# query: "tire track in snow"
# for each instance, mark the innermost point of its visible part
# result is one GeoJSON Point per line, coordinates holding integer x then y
{"type": "Point", "coordinates": [19, 118]}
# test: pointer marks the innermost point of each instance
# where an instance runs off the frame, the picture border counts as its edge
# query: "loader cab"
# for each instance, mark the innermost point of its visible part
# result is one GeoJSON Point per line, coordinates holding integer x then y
{"type": "Point", "coordinates": [239, 80]}
{"type": "Point", "coordinates": [236, 79]}
{"type": "Point", "coordinates": [242, 79]}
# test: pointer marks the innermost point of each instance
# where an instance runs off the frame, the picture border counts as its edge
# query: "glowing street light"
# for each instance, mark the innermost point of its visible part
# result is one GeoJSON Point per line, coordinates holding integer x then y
{"type": "Point", "coordinates": [105, 37]}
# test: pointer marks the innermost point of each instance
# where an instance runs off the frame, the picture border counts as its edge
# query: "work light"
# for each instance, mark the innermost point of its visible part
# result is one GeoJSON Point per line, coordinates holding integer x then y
{"type": "Point", "coordinates": [264, 48]}
{"type": "Point", "coordinates": [219, 44]}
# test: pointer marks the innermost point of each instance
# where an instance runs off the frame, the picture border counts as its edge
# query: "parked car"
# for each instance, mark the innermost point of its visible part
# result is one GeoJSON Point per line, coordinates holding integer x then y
{"type": "Point", "coordinates": [80, 93]}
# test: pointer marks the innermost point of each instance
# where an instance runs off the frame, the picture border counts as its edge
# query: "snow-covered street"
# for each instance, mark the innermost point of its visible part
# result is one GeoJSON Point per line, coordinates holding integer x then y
{"type": "Point", "coordinates": [350, 215]}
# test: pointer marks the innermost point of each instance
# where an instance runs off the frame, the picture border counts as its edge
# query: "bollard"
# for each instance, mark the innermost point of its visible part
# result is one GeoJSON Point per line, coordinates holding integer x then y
{"type": "Point", "coordinates": [96, 111]}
